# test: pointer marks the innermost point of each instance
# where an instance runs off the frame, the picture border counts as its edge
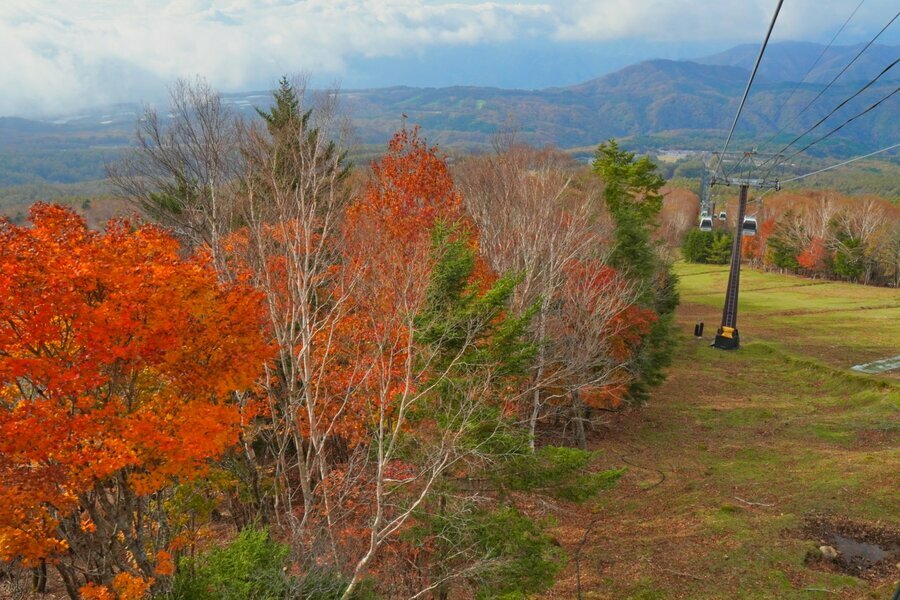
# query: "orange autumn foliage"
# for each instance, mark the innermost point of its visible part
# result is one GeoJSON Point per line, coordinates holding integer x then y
{"type": "Point", "coordinates": [409, 191]}
{"type": "Point", "coordinates": [389, 227]}
{"type": "Point", "coordinates": [124, 586]}
{"type": "Point", "coordinates": [753, 246]}
{"type": "Point", "coordinates": [92, 591]}
{"type": "Point", "coordinates": [388, 255]}
{"type": "Point", "coordinates": [117, 361]}
{"type": "Point", "coordinates": [363, 299]}
{"type": "Point", "coordinates": [165, 565]}
{"type": "Point", "coordinates": [814, 255]}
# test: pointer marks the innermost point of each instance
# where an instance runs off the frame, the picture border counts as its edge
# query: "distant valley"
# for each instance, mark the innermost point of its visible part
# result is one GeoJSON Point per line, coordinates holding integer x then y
{"type": "Point", "coordinates": [656, 104]}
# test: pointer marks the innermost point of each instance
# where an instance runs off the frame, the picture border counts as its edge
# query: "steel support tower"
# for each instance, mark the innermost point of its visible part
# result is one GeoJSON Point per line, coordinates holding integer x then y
{"type": "Point", "coordinates": [727, 336]}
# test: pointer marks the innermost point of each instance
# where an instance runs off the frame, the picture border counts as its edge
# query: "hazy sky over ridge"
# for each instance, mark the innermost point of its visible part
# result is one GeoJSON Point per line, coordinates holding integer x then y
{"type": "Point", "coordinates": [65, 54]}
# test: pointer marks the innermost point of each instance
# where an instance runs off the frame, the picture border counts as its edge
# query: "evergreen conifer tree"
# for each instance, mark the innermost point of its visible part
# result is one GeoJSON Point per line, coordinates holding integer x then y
{"type": "Point", "coordinates": [632, 195]}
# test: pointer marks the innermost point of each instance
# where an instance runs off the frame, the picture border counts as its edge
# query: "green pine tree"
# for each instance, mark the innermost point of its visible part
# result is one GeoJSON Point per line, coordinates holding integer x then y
{"type": "Point", "coordinates": [469, 329]}
{"type": "Point", "coordinates": [295, 138]}
{"type": "Point", "coordinates": [286, 109]}
{"type": "Point", "coordinates": [695, 245]}
{"type": "Point", "coordinates": [784, 245]}
{"type": "Point", "coordinates": [632, 195]}
{"type": "Point", "coordinates": [473, 342]}
{"type": "Point", "coordinates": [719, 250]}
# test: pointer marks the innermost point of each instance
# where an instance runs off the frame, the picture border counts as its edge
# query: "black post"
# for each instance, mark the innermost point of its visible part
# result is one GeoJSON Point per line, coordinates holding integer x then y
{"type": "Point", "coordinates": [727, 337]}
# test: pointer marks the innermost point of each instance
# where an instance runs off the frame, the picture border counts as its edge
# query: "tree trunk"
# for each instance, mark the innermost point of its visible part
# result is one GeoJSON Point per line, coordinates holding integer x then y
{"type": "Point", "coordinates": [39, 578]}
{"type": "Point", "coordinates": [538, 378]}
{"type": "Point", "coordinates": [578, 418]}
{"type": "Point", "coordinates": [69, 581]}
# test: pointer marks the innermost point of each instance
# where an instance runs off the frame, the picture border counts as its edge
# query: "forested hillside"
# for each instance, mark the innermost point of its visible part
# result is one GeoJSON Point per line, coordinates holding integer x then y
{"type": "Point", "coordinates": [297, 379]}
{"type": "Point", "coordinates": [796, 61]}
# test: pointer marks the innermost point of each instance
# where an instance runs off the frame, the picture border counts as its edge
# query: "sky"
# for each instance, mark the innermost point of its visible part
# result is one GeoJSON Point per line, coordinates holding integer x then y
{"type": "Point", "coordinates": [59, 56]}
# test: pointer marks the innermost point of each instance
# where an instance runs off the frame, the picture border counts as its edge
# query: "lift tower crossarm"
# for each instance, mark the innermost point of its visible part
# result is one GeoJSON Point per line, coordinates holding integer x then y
{"type": "Point", "coordinates": [757, 183]}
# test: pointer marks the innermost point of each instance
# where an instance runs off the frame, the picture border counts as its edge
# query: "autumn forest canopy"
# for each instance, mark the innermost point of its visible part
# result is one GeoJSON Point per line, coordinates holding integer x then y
{"type": "Point", "coordinates": [289, 375]}
{"type": "Point", "coordinates": [581, 300]}
{"type": "Point", "coordinates": [293, 377]}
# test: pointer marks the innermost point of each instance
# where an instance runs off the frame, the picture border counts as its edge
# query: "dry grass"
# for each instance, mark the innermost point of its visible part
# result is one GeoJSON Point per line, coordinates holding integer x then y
{"type": "Point", "coordinates": [737, 449]}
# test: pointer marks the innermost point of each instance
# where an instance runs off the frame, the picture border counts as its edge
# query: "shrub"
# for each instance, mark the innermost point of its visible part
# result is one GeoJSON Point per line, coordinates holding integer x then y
{"type": "Point", "coordinates": [526, 562]}
{"type": "Point", "coordinates": [561, 472]}
{"type": "Point", "coordinates": [249, 568]}
{"type": "Point", "coordinates": [487, 553]}
{"type": "Point", "coordinates": [849, 259]}
{"type": "Point", "coordinates": [710, 247]}
{"type": "Point", "coordinates": [253, 567]}
{"type": "Point", "coordinates": [694, 245]}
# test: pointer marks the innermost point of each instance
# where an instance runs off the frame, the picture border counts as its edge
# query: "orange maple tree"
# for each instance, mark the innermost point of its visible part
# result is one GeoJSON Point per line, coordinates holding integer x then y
{"type": "Point", "coordinates": [409, 191]}
{"type": "Point", "coordinates": [118, 359]}
{"type": "Point", "coordinates": [387, 263]}
{"type": "Point", "coordinates": [389, 254]}
{"type": "Point", "coordinates": [814, 255]}
{"type": "Point", "coordinates": [389, 227]}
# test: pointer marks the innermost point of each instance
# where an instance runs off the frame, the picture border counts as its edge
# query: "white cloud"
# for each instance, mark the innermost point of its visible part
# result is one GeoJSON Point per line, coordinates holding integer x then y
{"type": "Point", "coordinates": [83, 52]}
{"type": "Point", "coordinates": [726, 20]}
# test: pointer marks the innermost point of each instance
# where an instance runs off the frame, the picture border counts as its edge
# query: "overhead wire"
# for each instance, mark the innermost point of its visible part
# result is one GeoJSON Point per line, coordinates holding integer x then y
{"type": "Point", "coordinates": [833, 80]}
{"type": "Point", "coordinates": [842, 125]}
{"type": "Point", "coordinates": [840, 164]}
{"type": "Point", "coordinates": [870, 83]}
{"type": "Point", "coordinates": [777, 156]}
{"type": "Point", "coordinates": [841, 105]}
{"type": "Point", "coordinates": [816, 62]}
{"type": "Point", "coordinates": [737, 115]}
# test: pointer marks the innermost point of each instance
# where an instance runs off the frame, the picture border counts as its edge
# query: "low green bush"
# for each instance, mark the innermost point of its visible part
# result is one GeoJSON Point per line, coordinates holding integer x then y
{"type": "Point", "coordinates": [252, 567]}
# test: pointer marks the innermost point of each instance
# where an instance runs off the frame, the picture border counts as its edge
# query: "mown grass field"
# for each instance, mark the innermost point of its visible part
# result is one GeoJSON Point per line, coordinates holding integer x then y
{"type": "Point", "coordinates": [737, 449]}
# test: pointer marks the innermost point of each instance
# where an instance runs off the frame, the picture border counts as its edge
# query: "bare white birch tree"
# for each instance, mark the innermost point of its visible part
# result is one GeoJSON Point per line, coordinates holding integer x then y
{"type": "Point", "coordinates": [532, 221]}
{"type": "Point", "coordinates": [185, 165]}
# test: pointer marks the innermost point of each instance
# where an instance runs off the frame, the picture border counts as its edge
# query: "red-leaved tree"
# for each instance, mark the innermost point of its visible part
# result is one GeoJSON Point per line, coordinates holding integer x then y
{"type": "Point", "coordinates": [813, 255]}
{"type": "Point", "coordinates": [118, 359]}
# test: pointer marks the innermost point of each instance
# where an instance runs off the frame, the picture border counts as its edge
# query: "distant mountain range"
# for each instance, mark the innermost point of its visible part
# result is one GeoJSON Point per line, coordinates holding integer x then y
{"type": "Point", "coordinates": [659, 102]}
{"type": "Point", "coordinates": [651, 105]}
{"type": "Point", "coordinates": [813, 63]}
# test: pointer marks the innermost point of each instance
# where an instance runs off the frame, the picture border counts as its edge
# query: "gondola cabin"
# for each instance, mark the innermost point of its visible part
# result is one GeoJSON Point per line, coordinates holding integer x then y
{"type": "Point", "coordinates": [706, 224]}
{"type": "Point", "coordinates": [722, 216]}
{"type": "Point", "coordinates": [749, 226]}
